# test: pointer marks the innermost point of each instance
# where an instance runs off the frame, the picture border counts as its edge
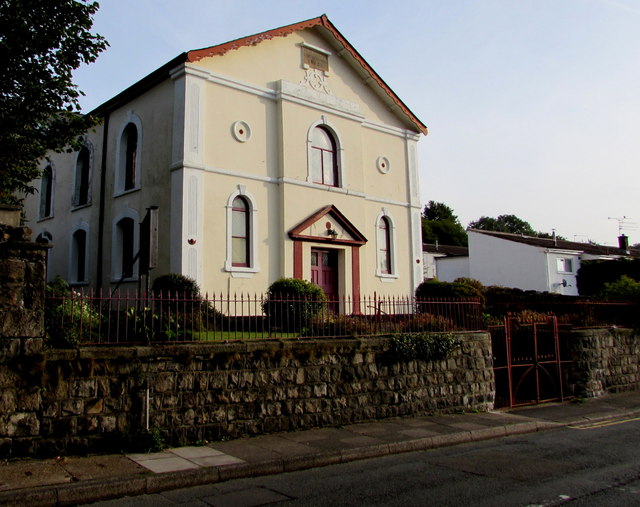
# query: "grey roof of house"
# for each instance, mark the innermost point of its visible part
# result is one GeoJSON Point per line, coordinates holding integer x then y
{"type": "Point", "coordinates": [448, 250]}
{"type": "Point", "coordinates": [561, 244]}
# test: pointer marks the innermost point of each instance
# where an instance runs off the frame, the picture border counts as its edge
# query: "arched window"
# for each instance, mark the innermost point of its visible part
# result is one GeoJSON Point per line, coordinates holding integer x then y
{"type": "Point", "coordinates": [125, 245]}
{"type": "Point", "coordinates": [242, 257]}
{"type": "Point", "coordinates": [46, 193]}
{"type": "Point", "coordinates": [78, 264]}
{"type": "Point", "coordinates": [240, 239]}
{"type": "Point", "coordinates": [81, 194]}
{"type": "Point", "coordinates": [324, 157]}
{"type": "Point", "coordinates": [384, 246]}
{"type": "Point", "coordinates": [130, 138]}
{"type": "Point", "coordinates": [128, 161]}
{"type": "Point", "coordinates": [126, 233]}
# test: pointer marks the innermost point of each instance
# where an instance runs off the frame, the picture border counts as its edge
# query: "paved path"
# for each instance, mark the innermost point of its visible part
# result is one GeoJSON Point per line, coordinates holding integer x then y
{"type": "Point", "coordinates": [73, 480]}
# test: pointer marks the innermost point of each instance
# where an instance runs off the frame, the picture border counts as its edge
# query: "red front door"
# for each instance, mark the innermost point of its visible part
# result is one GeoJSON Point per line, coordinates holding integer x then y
{"type": "Point", "coordinates": [324, 271]}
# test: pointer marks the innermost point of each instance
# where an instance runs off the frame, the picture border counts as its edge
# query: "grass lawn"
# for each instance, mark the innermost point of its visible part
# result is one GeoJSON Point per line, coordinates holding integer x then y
{"type": "Point", "coordinates": [241, 335]}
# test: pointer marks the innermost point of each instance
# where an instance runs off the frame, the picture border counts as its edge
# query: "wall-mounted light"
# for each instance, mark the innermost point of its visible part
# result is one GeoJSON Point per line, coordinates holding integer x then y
{"type": "Point", "coordinates": [191, 241]}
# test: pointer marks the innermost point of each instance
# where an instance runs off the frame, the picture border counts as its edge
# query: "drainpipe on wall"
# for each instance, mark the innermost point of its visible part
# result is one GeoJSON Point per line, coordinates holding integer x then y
{"type": "Point", "coordinates": [103, 178]}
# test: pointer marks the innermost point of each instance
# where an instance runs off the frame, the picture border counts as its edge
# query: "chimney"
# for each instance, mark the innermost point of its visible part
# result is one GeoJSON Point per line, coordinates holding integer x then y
{"type": "Point", "coordinates": [623, 242]}
{"type": "Point", "coordinates": [553, 237]}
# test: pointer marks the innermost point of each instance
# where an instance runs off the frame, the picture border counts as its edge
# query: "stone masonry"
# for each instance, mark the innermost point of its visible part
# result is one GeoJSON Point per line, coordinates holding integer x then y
{"type": "Point", "coordinates": [59, 401]}
{"type": "Point", "coordinates": [604, 360]}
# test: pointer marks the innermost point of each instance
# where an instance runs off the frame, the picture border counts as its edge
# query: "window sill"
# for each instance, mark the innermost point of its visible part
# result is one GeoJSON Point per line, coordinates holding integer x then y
{"type": "Point", "coordinates": [125, 280]}
{"type": "Point", "coordinates": [387, 277]}
{"type": "Point", "coordinates": [239, 272]}
{"type": "Point", "coordinates": [80, 206]}
{"type": "Point", "coordinates": [44, 219]}
{"type": "Point", "coordinates": [126, 192]}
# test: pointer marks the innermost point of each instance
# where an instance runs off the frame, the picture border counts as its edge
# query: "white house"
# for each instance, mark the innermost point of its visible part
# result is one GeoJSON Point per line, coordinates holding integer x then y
{"type": "Point", "coordinates": [278, 154]}
{"type": "Point", "coordinates": [525, 262]}
{"type": "Point", "coordinates": [433, 260]}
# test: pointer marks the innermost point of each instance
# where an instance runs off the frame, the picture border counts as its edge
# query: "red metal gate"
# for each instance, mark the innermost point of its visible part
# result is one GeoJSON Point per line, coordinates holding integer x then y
{"type": "Point", "coordinates": [528, 363]}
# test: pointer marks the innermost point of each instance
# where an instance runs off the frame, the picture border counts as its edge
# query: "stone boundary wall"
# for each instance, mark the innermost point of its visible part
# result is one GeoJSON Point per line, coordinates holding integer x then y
{"type": "Point", "coordinates": [56, 401]}
{"type": "Point", "coordinates": [604, 360]}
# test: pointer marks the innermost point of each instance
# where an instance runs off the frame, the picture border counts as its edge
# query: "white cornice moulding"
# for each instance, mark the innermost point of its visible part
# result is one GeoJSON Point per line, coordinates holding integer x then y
{"type": "Point", "coordinates": [288, 91]}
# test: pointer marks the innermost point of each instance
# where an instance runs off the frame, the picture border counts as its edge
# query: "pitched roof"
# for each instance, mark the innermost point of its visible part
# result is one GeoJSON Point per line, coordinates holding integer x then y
{"type": "Point", "coordinates": [560, 244]}
{"type": "Point", "coordinates": [334, 36]}
{"type": "Point", "coordinates": [448, 250]}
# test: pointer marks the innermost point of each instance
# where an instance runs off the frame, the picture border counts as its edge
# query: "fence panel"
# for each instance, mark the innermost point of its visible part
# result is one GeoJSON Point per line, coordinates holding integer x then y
{"type": "Point", "coordinates": [156, 317]}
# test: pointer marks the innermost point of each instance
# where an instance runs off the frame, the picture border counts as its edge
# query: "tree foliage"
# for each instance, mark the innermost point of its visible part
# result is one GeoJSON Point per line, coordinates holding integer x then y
{"type": "Point", "coordinates": [440, 224]}
{"type": "Point", "coordinates": [503, 223]}
{"type": "Point", "coordinates": [41, 44]}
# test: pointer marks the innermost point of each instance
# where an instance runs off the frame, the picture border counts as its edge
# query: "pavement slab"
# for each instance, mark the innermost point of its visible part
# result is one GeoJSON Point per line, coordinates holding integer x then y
{"type": "Point", "coordinates": [73, 480]}
{"type": "Point", "coordinates": [30, 473]}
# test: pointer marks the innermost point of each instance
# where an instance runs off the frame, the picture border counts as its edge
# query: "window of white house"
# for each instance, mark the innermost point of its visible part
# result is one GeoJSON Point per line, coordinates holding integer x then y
{"type": "Point", "coordinates": [324, 157]}
{"type": "Point", "coordinates": [78, 264]}
{"type": "Point", "coordinates": [565, 265]}
{"type": "Point", "coordinates": [81, 194]}
{"type": "Point", "coordinates": [240, 240]}
{"type": "Point", "coordinates": [46, 193]}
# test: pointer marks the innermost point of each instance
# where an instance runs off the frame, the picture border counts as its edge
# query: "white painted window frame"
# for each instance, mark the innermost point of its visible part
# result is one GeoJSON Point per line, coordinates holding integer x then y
{"type": "Point", "coordinates": [121, 155]}
{"type": "Point", "coordinates": [77, 176]}
{"type": "Point", "coordinates": [73, 255]}
{"type": "Point", "coordinates": [117, 245]}
{"type": "Point", "coordinates": [325, 123]}
{"type": "Point", "coordinates": [386, 277]}
{"type": "Point", "coordinates": [254, 267]}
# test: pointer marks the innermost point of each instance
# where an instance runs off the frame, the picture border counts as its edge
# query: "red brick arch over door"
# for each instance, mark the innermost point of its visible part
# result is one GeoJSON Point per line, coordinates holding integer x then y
{"type": "Point", "coordinates": [328, 227]}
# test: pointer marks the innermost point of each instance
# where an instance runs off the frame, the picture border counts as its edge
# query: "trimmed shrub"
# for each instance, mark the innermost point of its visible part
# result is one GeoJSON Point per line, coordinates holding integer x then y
{"type": "Point", "coordinates": [426, 322]}
{"type": "Point", "coordinates": [339, 325]}
{"type": "Point", "coordinates": [436, 289]}
{"type": "Point", "coordinates": [174, 283]}
{"type": "Point", "coordinates": [290, 304]}
{"type": "Point", "coordinates": [183, 312]}
{"type": "Point", "coordinates": [424, 346]}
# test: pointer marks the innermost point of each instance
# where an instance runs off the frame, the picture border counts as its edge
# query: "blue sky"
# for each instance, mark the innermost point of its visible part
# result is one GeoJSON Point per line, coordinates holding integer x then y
{"type": "Point", "coordinates": [533, 106]}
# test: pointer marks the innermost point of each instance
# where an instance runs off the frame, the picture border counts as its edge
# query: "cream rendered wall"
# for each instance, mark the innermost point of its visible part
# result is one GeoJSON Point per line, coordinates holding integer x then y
{"type": "Point", "coordinates": [272, 165]}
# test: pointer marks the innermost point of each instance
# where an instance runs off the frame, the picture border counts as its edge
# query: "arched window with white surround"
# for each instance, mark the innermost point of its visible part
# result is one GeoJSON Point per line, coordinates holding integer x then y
{"type": "Point", "coordinates": [240, 229]}
{"type": "Point", "coordinates": [47, 192]}
{"type": "Point", "coordinates": [82, 183]}
{"type": "Point", "coordinates": [129, 155]}
{"type": "Point", "coordinates": [385, 246]}
{"type": "Point", "coordinates": [324, 156]}
{"type": "Point", "coordinates": [125, 246]}
{"type": "Point", "coordinates": [241, 234]}
{"type": "Point", "coordinates": [79, 255]}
